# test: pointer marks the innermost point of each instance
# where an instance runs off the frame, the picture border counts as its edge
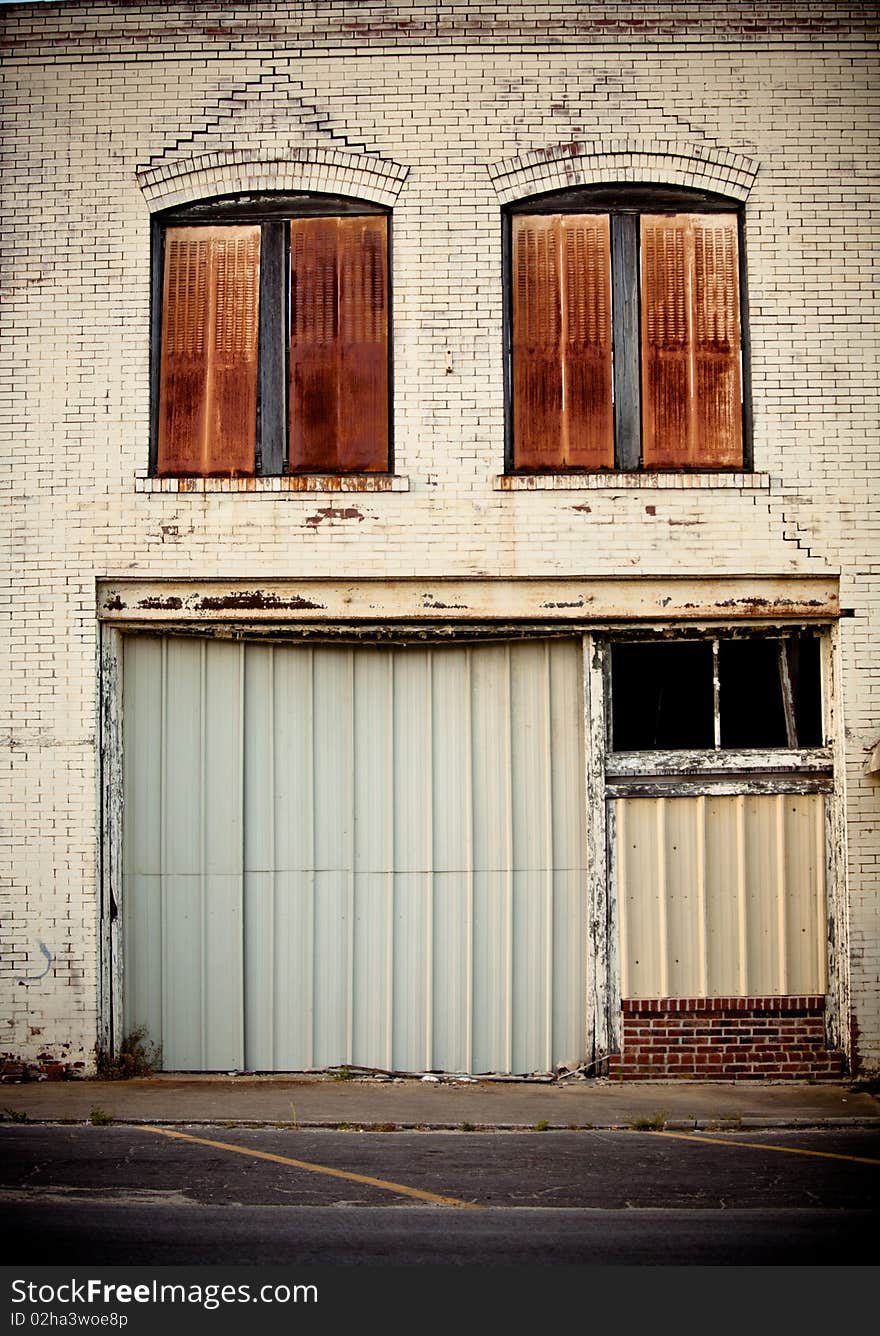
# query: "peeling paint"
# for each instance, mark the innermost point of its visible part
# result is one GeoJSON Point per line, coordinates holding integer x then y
{"type": "Point", "coordinates": [586, 510]}
{"type": "Point", "coordinates": [333, 513]}
{"type": "Point", "coordinates": [255, 599]}
{"type": "Point", "coordinates": [170, 604]}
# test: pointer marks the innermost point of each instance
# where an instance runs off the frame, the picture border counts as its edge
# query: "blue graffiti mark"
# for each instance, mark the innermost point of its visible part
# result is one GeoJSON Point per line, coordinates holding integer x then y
{"type": "Point", "coordinates": [33, 978]}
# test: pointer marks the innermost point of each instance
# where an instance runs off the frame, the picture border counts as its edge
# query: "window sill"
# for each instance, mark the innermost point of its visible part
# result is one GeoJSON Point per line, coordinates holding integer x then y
{"type": "Point", "coordinates": [276, 486]}
{"type": "Point", "coordinates": [552, 482]}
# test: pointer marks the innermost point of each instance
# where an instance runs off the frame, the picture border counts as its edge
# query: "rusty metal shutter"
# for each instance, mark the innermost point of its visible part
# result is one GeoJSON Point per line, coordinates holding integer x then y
{"type": "Point", "coordinates": [562, 396]}
{"type": "Point", "coordinates": [339, 344]}
{"type": "Point", "coordinates": [208, 369]}
{"type": "Point", "coordinates": [691, 379]}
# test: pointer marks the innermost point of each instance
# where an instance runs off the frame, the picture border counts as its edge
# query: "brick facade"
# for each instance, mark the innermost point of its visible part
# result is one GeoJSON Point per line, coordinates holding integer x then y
{"type": "Point", "coordinates": [725, 1038]}
{"type": "Point", "coordinates": [443, 112]}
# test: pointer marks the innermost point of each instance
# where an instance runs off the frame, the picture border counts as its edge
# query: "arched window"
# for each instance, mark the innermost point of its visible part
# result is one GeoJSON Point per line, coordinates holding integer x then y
{"type": "Point", "coordinates": [624, 331]}
{"type": "Point", "coordinates": [270, 337]}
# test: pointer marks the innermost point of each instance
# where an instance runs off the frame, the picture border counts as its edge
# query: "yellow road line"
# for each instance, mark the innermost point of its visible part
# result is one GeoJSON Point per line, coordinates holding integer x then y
{"type": "Point", "coordinates": [757, 1145]}
{"type": "Point", "coordinates": [319, 1169]}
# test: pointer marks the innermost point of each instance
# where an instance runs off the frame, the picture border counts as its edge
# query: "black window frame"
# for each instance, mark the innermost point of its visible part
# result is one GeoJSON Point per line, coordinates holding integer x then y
{"type": "Point", "coordinates": [624, 203]}
{"type": "Point", "coordinates": [272, 210]}
{"type": "Point", "coordinates": [716, 639]}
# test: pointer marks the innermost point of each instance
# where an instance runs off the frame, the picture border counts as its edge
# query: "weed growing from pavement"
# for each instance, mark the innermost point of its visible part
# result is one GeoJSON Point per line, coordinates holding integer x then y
{"type": "Point", "coordinates": [15, 1116]}
{"type": "Point", "coordinates": [655, 1123]}
{"type": "Point", "coordinates": [541, 1125]}
{"type": "Point", "coordinates": [137, 1056]}
{"type": "Point", "coordinates": [100, 1117]}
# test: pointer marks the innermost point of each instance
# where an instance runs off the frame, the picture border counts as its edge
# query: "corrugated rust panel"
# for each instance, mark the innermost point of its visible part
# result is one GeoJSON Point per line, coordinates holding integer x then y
{"type": "Point", "coordinates": [691, 382]}
{"type": "Point", "coordinates": [562, 397]}
{"type": "Point", "coordinates": [666, 343]}
{"type": "Point", "coordinates": [721, 896]}
{"type": "Point", "coordinates": [339, 344]}
{"type": "Point", "coordinates": [314, 343]}
{"type": "Point", "coordinates": [588, 407]}
{"type": "Point", "coordinates": [537, 333]}
{"type": "Point", "coordinates": [355, 855]}
{"type": "Point", "coordinates": [363, 344]}
{"type": "Point", "coordinates": [208, 370]}
{"type": "Point", "coordinates": [718, 409]}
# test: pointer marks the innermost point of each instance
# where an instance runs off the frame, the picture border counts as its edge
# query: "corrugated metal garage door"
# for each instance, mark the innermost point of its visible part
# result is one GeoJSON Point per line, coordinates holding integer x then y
{"type": "Point", "coordinates": [354, 855]}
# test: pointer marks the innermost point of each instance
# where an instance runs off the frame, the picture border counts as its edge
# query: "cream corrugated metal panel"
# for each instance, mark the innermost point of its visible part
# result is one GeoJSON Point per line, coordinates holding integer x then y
{"type": "Point", "coordinates": [362, 855]}
{"type": "Point", "coordinates": [721, 896]}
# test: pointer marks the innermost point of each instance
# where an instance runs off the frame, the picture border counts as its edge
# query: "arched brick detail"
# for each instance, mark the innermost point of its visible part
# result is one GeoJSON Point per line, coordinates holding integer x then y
{"type": "Point", "coordinates": [328, 171]}
{"type": "Point", "coordinates": [562, 166]}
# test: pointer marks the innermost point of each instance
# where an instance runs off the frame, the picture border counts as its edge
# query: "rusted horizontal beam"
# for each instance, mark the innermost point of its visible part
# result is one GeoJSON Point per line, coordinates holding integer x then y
{"type": "Point", "coordinates": [577, 600]}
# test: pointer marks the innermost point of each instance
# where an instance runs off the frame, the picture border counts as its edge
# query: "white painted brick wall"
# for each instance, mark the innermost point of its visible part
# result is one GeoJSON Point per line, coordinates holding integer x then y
{"type": "Point", "coordinates": [94, 93]}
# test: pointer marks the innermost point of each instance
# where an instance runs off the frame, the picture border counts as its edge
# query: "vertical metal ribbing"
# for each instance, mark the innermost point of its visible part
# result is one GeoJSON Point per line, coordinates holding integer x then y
{"type": "Point", "coordinates": [782, 942]}
{"type": "Point", "coordinates": [702, 927]}
{"type": "Point", "coordinates": [469, 818]}
{"type": "Point", "coordinates": [741, 901]}
{"type": "Point", "coordinates": [203, 837]}
{"type": "Point", "coordinates": [163, 836]}
{"type": "Point", "coordinates": [309, 824]}
{"type": "Point", "coordinates": [389, 875]}
{"type": "Point", "coordinates": [242, 1015]}
{"type": "Point", "coordinates": [350, 859]}
{"type": "Point", "coordinates": [662, 893]}
{"type": "Point", "coordinates": [617, 842]}
{"type": "Point", "coordinates": [548, 868]}
{"type": "Point", "coordinates": [508, 915]}
{"type": "Point", "coordinates": [430, 861]}
{"type": "Point", "coordinates": [272, 767]}
{"type": "Point", "coordinates": [821, 900]}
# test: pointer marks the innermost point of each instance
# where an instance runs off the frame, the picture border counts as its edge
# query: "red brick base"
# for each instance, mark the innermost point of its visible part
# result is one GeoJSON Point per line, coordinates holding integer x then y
{"type": "Point", "coordinates": [725, 1038]}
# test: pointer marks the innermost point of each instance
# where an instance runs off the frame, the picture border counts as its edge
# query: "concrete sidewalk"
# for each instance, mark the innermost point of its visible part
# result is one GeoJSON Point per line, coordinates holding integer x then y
{"type": "Point", "coordinates": [325, 1100]}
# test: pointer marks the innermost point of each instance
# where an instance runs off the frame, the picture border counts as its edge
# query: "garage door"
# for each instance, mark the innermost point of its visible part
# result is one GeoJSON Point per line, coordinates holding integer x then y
{"type": "Point", "coordinates": [354, 855]}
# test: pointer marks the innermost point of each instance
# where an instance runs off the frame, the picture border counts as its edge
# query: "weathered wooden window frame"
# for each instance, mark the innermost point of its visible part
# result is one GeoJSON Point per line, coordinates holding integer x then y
{"type": "Point", "coordinates": [691, 772]}
{"type": "Point", "coordinates": [273, 212]}
{"type": "Point", "coordinates": [625, 205]}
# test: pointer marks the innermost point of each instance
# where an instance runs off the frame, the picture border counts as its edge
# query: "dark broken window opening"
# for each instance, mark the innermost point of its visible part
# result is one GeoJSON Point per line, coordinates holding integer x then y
{"type": "Point", "coordinates": [271, 338]}
{"type": "Point", "coordinates": [726, 693]}
{"type": "Point", "coordinates": [624, 345]}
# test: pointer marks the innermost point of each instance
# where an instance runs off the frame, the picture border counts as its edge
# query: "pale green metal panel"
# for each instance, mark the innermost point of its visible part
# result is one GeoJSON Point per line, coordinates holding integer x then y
{"type": "Point", "coordinates": [492, 860]}
{"type": "Point", "coordinates": [721, 896]}
{"type": "Point", "coordinates": [368, 856]}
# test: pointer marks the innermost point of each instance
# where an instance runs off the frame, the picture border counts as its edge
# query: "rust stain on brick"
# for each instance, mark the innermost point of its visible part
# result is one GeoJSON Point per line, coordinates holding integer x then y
{"type": "Point", "coordinates": [333, 513]}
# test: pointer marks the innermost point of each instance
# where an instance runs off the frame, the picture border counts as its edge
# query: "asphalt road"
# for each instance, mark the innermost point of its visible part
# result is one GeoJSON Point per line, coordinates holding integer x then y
{"type": "Point", "coordinates": [135, 1196]}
